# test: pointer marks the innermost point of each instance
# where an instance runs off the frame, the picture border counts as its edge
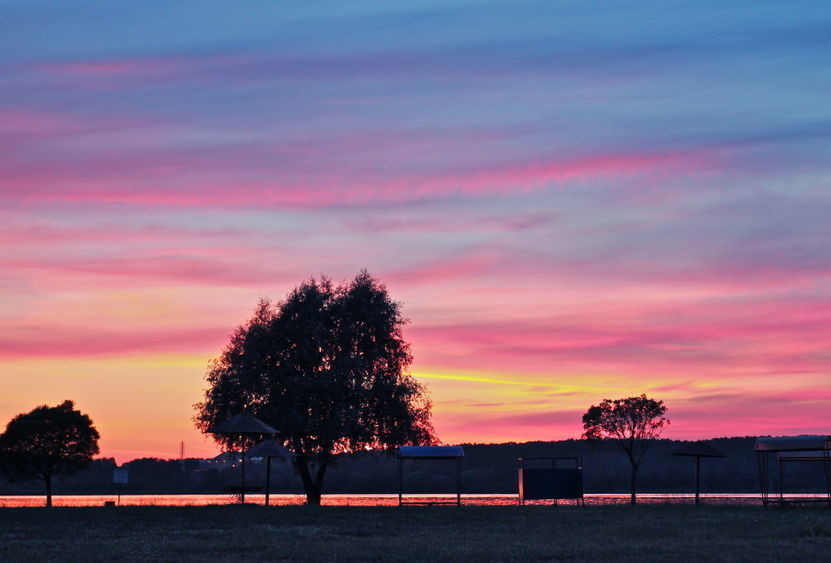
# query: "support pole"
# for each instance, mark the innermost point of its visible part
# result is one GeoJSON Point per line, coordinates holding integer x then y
{"type": "Point", "coordinates": [781, 480]}
{"type": "Point", "coordinates": [400, 480]}
{"type": "Point", "coordinates": [697, 478]}
{"type": "Point", "coordinates": [242, 485]}
{"type": "Point", "coordinates": [458, 481]}
{"type": "Point", "coordinates": [267, 479]}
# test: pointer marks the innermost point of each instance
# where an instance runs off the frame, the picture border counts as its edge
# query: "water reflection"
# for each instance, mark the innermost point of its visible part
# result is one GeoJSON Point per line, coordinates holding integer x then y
{"type": "Point", "coordinates": [597, 499]}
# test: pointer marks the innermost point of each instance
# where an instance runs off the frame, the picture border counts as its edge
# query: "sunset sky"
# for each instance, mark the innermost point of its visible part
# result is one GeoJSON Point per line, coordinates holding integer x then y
{"type": "Point", "coordinates": [573, 201]}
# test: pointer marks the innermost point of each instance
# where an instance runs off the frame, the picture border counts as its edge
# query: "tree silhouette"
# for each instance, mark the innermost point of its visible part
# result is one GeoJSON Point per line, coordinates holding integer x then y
{"type": "Point", "coordinates": [326, 367]}
{"type": "Point", "coordinates": [633, 423]}
{"type": "Point", "coordinates": [47, 442]}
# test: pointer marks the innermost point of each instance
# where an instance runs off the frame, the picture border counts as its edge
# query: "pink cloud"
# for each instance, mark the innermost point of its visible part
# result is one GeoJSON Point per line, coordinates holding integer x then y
{"type": "Point", "coordinates": [230, 268]}
{"type": "Point", "coordinates": [751, 338]}
{"type": "Point", "coordinates": [61, 341]}
{"type": "Point", "coordinates": [109, 67]}
{"type": "Point", "coordinates": [29, 233]}
{"type": "Point", "coordinates": [243, 176]}
{"type": "Point", "coordinates": [437, 271]}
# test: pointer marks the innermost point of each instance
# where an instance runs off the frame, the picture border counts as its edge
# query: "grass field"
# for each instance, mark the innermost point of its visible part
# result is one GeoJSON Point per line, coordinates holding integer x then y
{"type": "Point", "coordinates": [658, 532]}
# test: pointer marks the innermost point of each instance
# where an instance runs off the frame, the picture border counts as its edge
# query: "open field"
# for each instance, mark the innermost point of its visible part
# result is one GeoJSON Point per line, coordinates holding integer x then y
{"type": "Point", "coordinates": [422, 533]}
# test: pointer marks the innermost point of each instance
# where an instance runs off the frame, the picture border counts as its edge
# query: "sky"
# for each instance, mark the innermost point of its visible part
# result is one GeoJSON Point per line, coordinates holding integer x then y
{"type": "Point", "coordinates": [573, 201]}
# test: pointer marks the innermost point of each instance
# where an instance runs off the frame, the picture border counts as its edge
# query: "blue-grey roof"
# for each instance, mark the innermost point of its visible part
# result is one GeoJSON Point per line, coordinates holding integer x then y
{"type": "Point", "coordinates": [430, 452]}
{"type": "Point", "coordinates": [793, 444]}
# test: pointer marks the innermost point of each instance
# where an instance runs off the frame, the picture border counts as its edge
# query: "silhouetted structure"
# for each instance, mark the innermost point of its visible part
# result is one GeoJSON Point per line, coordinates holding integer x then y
{"type": "Point", "coordinates": [243, 425]}
{"type": "Point", "coordinates": [698, 450]}
{"type": "Point", "coordinates": [448, 453]}
{"type": "Point", "coordinates": [792, 448]}
{"type": "Point", "coordinates": [269, 449]}
{"type": "Point", "coordinates": [550, 482]}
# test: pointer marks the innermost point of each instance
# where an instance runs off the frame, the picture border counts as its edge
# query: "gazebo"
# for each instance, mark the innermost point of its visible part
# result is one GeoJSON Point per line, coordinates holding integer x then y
{"type": "Point", "coordinates": [698, 450]}
{"type": "Point", "coordinates": [243, 425]}
{"type": "Point", "coordinates": [791, 449]}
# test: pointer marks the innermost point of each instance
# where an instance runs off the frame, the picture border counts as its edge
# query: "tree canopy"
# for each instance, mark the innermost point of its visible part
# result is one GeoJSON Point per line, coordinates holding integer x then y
{"type": "Point", "coordinates": [47, 442]}
{"type": "Point", "coordinates": [326, 367]}
{"type": "Point", "coordinates": [633, 423]}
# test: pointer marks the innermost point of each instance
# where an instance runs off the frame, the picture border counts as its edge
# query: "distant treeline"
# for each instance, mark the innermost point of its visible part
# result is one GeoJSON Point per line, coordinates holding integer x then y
{"type": "Point", "coordinates": [487, 468]}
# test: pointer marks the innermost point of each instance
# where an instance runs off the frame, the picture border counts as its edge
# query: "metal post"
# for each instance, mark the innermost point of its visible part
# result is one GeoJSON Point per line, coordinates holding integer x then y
{"type": "Point", "coordinates": [242, 485]}
{"type": "Point", "coordinates": [697, 478]}
{"type": "Point", "coordinates": [400, 480]}
{"type": "Point", "coordinates": [781, 480]}
{"type": "Point", "coordinates": [458, 481]}
{"type": "Point", "coordinates": [267, 479]}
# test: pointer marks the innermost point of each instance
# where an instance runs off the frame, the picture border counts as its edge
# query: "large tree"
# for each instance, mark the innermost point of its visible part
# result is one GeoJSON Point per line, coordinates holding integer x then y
{"type": "Point", "coordinates": [47, 442]}
{"type": "Point", "coordinates": [328, 368]}
{"type": "Point", "coordinates": [633, 423]}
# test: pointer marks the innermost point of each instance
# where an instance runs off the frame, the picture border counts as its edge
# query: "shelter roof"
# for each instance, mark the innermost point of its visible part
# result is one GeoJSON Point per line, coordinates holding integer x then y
{"type": "Point", "coordinates": [793, 443]}
{"type": "Point", "coordinates": [226, 457]}
{"type": "Point", "coordinates": [269, 448]}
{"type": "Point", "coordinates": [430, 452]}
{"type": "Point", "coordinates": [698, 449]}
{"type": "Point", "coordinates": [242, 423]}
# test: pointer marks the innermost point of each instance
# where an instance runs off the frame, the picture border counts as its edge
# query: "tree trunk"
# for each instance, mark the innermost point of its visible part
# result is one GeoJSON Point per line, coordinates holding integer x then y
{"type": "Point", "coordinates": [312, 485]}
{"type": "Point", "coordinates": [318, 486]}
{"type": "Point", "coordinates": [48, 480]}
{"type": "Point", "coordinates": [633, 485]}
{"type": "Point", "coordinates": [313, 496]}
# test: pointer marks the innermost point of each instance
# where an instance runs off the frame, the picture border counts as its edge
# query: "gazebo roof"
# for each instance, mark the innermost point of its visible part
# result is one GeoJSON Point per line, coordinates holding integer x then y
{"type": "Point", "coordinates": [793, 443]}
{"type": "Point", "coordinates": [241, 424]}
{"type": "Point", "coordinates": [698, 449]}
{"type": "Point", "coordinates": [225, 457]}
{"type": "Point", "coordinates": [269, 448]}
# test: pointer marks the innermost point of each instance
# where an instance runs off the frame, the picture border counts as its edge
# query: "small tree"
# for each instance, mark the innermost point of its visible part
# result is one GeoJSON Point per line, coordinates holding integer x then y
{"type": "Point", "coordinates": [327, 368]}
{"type": "Point", "coordinates": [633, 423]}
{"type": "Point", "coordinates": [47, 442]}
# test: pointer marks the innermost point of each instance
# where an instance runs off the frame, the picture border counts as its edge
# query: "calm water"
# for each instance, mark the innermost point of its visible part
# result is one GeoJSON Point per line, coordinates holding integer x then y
{"type": "Point", "coordinates": [375, 500]}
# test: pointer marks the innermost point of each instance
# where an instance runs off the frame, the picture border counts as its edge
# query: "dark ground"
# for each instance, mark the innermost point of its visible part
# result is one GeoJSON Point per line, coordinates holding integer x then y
{"type": "Point", "coordinates": [658, 532]}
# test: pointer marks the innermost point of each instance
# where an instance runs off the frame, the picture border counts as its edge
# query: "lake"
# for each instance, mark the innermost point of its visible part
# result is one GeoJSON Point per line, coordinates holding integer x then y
{"type": "Point", "coordinates": [595, 499]}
